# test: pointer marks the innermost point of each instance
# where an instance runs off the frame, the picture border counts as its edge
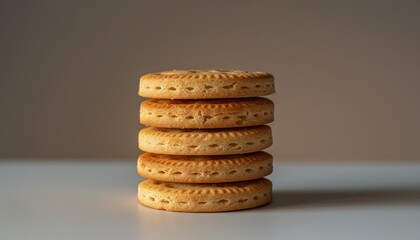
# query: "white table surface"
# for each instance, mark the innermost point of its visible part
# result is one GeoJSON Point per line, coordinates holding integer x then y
{"type": "Point", "coordinates": [76, 200]}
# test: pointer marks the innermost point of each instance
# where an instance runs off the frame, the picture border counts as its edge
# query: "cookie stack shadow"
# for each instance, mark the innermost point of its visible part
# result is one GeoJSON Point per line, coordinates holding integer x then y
{"type": "Point", "coordinates": [204, 139]}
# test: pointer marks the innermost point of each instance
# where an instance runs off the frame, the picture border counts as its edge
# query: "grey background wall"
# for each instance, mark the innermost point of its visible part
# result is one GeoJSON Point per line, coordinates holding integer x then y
{"type": "Point", "coordinates": [347, 72]}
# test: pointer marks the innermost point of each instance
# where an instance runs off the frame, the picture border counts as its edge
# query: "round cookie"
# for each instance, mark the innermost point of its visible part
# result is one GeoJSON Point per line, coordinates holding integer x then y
{"type": "Point", "coordinates": [210, 113]}
{"type": "Point", "coordinates": [201, 84]}
{"type": "Point", "coordinates": [205, 169]}
{"type": "Point", "coordinates": [205, 141]}
{"type": "Point", "coordinates": [182, 197]}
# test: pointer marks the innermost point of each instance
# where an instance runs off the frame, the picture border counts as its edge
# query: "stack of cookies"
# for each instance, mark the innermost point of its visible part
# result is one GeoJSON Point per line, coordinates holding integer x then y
{"type": "Point", "coordinates": [204, 140]}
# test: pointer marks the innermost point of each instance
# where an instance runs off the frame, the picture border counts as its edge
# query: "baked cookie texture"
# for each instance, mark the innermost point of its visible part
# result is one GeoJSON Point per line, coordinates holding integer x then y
{"type": "Point", "coordinates": [205, 197]}
{"type": "Point", "coordinates": [205, 141]}
{"type": "Point", "coordinates": [204, 84]}
{"type": "Point", "coordinates": [205, 169]}
{"type": "Point", "coordinates": [210, 113]}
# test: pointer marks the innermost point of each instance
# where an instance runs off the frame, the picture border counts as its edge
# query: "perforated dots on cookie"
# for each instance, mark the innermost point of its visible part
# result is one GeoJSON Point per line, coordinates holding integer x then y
{"type": "Point", "coordinates": [205, 88]}
{"type": "Point", "coordinates": [222, 113]}
{"type": "Point", "coordinates": [220, 201]}
{"type": "Point", "coordinates": [205, 84]}
{"type": "Point", "coordinates": [211, 171]}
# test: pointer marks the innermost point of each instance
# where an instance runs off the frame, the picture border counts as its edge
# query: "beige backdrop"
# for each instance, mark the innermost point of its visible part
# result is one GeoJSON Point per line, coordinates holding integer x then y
{"type": "Point", "coordinates": [347, 72]}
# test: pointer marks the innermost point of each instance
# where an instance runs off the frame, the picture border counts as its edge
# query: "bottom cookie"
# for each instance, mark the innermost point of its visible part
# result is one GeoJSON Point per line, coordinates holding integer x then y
{"type": "Point", "coordinates": [182, 197]}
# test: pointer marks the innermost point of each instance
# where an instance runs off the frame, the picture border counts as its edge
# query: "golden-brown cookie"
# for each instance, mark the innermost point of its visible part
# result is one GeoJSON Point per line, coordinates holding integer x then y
{"type": "Point", "coordinates": [205, 169]}
{"type": "Point", "coordinates": [210, 113]}
{"type": "Point", "coordinates": [182, 197]}
{"type": "Point", "coordinates": [201, 84]}
{"type": "Point", "coordinates": [205, 141]}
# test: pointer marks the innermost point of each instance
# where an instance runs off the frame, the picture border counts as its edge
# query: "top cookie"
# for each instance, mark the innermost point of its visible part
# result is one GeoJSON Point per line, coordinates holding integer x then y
{"type": "Point", "coordinates": [201, 84]}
